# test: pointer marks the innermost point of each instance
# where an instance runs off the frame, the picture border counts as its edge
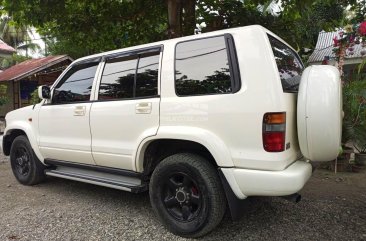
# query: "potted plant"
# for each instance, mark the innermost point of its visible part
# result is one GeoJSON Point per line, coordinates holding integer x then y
{"type": "Point", "coordinates": [354, 122]}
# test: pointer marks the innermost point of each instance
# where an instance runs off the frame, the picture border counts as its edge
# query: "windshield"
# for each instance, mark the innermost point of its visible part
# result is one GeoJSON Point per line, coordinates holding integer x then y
{"type": "Point", "coordinates": [288, 63]}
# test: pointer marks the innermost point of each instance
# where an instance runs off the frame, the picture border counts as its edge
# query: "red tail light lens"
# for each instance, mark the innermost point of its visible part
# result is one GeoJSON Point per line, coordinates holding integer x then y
{"type": "Point", "coordinates": [274, 130]}
{"type": "Point", "coordinates": [274, 141]}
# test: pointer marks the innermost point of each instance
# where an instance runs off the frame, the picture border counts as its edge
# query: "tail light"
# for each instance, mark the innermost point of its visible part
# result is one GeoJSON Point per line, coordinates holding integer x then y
{"type": "Point", "coordinates": [274, 131]}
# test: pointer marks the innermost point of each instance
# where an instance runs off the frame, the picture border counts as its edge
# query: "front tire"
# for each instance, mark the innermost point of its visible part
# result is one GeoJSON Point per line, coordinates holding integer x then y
{"type": "Point", "coordinates": [27, 169]}
{"type": "Point", "coordinates": [187, 196]}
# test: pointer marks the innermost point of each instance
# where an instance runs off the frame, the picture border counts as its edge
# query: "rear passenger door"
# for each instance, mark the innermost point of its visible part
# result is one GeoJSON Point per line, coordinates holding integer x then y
{"type": "Point", "coordinates": [126, 109]}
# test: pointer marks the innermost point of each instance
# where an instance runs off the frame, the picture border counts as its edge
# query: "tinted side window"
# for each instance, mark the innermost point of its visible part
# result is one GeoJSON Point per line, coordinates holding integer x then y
{"type": "Point", "coordinates": [118, 79]}
{"type": "Point", "coordinates": [147, 75]}
{"type": "Point", "coordinates": [288, 63]}
{"type": "Point", "coordinates": [129, 77]}
{"type": "Point", "coordinates": [202, 67]}
{"type": "Point", "coordinates": [76, 84]}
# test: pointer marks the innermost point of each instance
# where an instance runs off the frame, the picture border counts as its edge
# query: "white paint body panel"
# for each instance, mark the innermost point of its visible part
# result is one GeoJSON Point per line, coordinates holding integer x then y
{"type": "Point", "coordinates": [235, 119]}
{"type": "Point", "coordinates": [19, 120]}
{"type": "Point", "coordinates": [268, 183]}
{"type": "Point", "coordinates": [64, 132]}
{"type": "Point", "coordinates": [115, 147]}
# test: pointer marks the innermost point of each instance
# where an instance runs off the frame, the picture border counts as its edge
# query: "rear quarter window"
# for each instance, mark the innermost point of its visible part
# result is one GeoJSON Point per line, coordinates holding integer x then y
{"type": "Point", "coordinates": [206, 66]}
{"type": "Point", "coordinates": [288, 63]}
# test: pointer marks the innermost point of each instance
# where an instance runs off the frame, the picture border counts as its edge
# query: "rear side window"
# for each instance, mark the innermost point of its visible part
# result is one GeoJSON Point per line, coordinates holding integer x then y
{"type": "Point", "coordinates": [130, 77]}
{"type": "Point", "coordinates": [147, 75]}
{"type": "Point", "coordinates": [202, 67]}
{"type": "Point", "coordinates": [118, 79]}
{"type": "Point", "coordinates": [288, 63]}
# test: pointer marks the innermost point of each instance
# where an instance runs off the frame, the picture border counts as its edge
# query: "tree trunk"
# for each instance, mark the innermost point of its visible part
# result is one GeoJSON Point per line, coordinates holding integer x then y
{"type": "Point", "coordinates": [189, 15]}
{"type": "Point", "coordinates": [342, 52]}
{"type": "Point", "coordinates": [174, 18]}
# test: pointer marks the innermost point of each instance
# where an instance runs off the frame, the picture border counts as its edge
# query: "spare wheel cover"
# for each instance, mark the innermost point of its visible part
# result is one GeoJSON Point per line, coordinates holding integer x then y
{"type": "Point", "coordinates": [319, 113]}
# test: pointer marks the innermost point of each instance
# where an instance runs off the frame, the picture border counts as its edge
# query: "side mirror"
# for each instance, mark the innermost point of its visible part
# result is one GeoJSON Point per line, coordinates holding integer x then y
{"type": "Point", "coordinates": [44, 92]}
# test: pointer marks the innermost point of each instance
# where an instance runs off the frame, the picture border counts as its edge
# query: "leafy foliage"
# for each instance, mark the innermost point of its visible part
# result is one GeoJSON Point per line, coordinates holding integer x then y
{"type": "Point", "coordinates": [354, 106]}
{"type": "Point", "coordinates": [3, 95]}
{"type": "Point", "coordinates": [81, 27]}
{"type": "Point", "coordinates": [6, 62]}
{"type": "Point", "coordinates": [17, 36]}
{"type": "Point", "coordinates": [298, 22]}
{"type": "Point", "coordinates": [34, 97]}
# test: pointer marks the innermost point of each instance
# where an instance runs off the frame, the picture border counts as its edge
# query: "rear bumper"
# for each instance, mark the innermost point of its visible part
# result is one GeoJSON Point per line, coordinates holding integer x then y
{"type": "Point", "coordinates": [246, 182]}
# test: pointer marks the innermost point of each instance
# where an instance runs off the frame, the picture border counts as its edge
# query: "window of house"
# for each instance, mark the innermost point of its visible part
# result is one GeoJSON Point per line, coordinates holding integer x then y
{"type": "Point", "coordinates": [202, 67]}
{"type": "Point", "coordinates": [76, 85]}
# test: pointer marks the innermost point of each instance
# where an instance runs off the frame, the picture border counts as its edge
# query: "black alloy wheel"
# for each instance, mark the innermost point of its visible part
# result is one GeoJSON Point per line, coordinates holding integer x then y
{"type": "Point", "coordinates": [187, 195]}
{"type": "Point", "coordinates": [22, 161]}
{"type": "Point", "coordinates": [182, 197]}
{"type": "Point", "coordinates": [27, 169]}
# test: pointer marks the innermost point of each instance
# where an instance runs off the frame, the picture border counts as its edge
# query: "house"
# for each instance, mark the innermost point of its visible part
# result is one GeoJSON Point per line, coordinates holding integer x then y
{"type": "Point", "coordinates": [323, 53]}
{"type": "Point", "coordinates": [5, 50]}
{"type": "Point", "coordinates": [22, 79]}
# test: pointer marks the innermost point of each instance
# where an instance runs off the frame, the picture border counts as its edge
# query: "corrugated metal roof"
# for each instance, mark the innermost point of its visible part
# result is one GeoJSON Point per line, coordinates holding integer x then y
{"type": "Point", "coordinates": [324, 47]}
{"type": "Point", "coordinates": [30, 67]}
{"type": "Point", "coordinates": [6, 48]}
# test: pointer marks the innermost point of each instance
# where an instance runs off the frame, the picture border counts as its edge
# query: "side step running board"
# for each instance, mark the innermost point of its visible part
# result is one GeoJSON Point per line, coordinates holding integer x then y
{"type": "Point", "coordinates": [125, 183]}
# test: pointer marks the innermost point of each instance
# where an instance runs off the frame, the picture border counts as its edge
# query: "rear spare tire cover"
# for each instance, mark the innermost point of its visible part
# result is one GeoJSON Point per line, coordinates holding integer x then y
{"type": "Point", "coordinates": [319, 113]}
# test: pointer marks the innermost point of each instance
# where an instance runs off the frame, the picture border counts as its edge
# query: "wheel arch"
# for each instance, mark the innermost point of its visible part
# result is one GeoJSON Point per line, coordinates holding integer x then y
{"type": "Point", "coordinates": [12, 132]}
{"type": "Point", "coordinates": [159, 149]}
{"type": "Point", "coordinates": [171, 140]}
{"type": "Point", "coordinates": [9, 138]}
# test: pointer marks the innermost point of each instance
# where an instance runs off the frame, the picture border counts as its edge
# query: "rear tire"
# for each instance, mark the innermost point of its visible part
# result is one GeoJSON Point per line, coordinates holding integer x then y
{"type": "Point", "coordinates": [187, 196]}
{"type": "Point", "coordinates": [27, 169]}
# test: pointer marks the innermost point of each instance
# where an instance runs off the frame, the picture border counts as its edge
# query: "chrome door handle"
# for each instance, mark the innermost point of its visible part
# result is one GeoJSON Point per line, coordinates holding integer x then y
{"type": "Point", "coordinates": [143, 108]}
{"type": "Point", "coordinates": [79, 110]}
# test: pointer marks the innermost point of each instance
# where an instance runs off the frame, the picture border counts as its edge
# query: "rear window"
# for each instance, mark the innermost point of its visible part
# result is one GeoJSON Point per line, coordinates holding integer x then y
{"type": "Point", "coordinates": [288, 63]}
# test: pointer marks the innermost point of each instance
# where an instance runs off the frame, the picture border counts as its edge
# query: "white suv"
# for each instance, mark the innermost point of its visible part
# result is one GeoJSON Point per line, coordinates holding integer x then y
{"type": "Point", "coordinates": [199, 121]}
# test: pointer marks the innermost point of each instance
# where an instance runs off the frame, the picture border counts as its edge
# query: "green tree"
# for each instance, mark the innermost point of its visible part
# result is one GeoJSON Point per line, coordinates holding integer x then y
{"type": "Point", "coordinates": [17, 36]}
{"type": "Point", "coordinates": [81, 27]}
{"type": "Point", "coordinates": [7, 62]}
{"type": "Point", "coordinates": [298, 22]}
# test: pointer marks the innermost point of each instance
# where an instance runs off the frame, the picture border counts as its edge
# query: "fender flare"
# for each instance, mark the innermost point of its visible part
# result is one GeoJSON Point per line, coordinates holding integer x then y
{"type": "Point", "coordinates": [212, 142]}
{"type": "Point", "coordinates": [28, 130]}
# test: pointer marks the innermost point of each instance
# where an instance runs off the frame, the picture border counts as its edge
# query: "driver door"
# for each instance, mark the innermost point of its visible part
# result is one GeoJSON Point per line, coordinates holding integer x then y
{"type": "Point", "coordinates": [64, 132]}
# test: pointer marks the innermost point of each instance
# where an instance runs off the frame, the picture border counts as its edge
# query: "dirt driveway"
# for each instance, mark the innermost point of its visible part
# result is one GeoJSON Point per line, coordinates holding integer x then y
{"type": "Point", "coordinates": [333, 208]}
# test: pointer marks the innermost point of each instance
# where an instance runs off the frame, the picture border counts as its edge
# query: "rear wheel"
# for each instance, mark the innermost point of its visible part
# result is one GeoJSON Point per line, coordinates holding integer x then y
{"type": "Point", "coordinates": [26, 167]}
{"type": "Point", "coordinates": [187, 195]}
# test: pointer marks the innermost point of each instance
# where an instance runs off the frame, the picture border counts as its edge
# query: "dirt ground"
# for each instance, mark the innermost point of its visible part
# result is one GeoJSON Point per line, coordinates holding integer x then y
{"type": "Point", "coordinates": [333, 208]}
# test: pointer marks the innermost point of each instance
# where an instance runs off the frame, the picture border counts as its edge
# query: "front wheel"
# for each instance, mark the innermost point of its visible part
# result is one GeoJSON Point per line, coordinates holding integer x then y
{"type": "Point", "coordinates": [27, 169]}
{"type": "Point", "coordinates": [187, 196]}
